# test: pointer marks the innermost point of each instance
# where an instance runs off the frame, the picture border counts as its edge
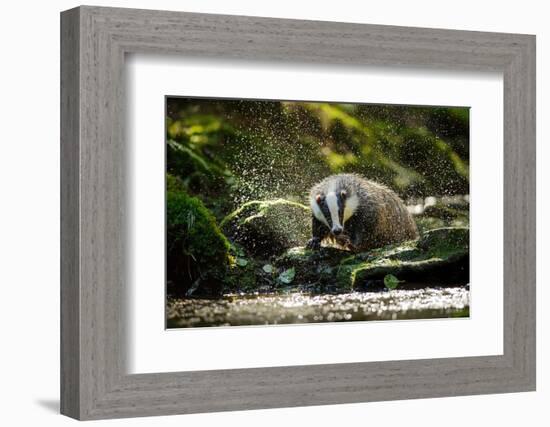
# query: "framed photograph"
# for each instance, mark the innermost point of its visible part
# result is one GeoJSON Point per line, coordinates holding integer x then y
{"type": "Point", "coordinates": [261, 213]}
{"type": "Point", "coordinates": [270, 217]}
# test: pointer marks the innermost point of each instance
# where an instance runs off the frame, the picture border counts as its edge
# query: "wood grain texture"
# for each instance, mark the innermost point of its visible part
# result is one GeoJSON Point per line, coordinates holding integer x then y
{"type": "Point", "coordinates": [70, 220]}
{"type": "Point", "coordinates": [94, 381]}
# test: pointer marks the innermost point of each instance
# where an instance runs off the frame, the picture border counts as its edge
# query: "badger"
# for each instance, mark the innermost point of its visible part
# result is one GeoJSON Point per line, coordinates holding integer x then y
{"type": "Point", "coordinates": [358, 214]}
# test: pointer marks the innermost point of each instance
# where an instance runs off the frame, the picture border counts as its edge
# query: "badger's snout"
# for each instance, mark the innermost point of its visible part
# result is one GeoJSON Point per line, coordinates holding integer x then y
{"type": "Point", "coordinates": [337, 230]}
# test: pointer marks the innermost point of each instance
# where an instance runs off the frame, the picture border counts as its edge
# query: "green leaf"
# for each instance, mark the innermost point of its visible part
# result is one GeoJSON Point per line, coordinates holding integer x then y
{"type": "Point", "coordinates": [268, 268]}
{"type": "Point", "coordinates": [390, 281]}
{"type": "Point", "coordinates": [242, 262]}
{"type": "Point", "coordinates": [287, 276]}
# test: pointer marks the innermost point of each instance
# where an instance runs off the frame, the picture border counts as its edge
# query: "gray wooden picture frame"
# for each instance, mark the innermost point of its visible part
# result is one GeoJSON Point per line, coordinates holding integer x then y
{"type": "Point", "coordinates": [94, 382]}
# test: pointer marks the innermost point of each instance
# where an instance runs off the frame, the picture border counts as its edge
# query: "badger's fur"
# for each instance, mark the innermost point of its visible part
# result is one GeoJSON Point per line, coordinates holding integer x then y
{"type": "Point", "coordinates": [358, 214]}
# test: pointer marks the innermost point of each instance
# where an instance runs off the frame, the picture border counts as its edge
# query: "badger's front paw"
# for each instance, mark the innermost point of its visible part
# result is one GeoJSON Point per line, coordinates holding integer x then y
{"type": "Point", "coordinates": [314, 244]}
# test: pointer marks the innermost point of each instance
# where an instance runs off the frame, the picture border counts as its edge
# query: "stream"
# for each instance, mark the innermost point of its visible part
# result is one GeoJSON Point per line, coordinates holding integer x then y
{"type": "Point", "coordinates": [297, 307]}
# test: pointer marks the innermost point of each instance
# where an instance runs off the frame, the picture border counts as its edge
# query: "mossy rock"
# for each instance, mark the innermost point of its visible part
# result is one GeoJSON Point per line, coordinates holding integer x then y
{"type": "Point", "coordinates": [197, 251]}
{"type": "Point", "coordinates": [445, 212]}
{"type": "Point", "coordinates": [268, 227]}
{"type": "Point", "coordinates": [439, 257]}
{"type": "Point", "coordinates": [425, 223]}
{"type": "Point", "coordinates": [444, 215]}
{"type": "Point", "coordinates": [443, 241]}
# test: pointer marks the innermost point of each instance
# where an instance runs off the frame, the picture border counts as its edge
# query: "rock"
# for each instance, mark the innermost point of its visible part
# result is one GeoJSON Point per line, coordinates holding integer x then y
{"type": "Point", "coordinates": [424, 223]}
{"type": "Point", "coordinates": [454, 213]}
{"type": "Point", "coordinates": [446, 240]}
{"type": "Point", "coordinates": [440, 257]}
{"type": "Point", "coordinates": [269, 227]}
{"type": "Point", "coordinates": [446, 213]}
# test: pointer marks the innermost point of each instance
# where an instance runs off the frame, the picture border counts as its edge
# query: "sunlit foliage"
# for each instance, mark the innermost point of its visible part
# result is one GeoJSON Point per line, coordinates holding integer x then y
{"type": "Point", "coordinates": [231, 151]}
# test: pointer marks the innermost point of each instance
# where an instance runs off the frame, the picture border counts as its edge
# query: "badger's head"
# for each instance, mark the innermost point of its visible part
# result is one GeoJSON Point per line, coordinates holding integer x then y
{"type": "Point", "coordinates": [334, 208]}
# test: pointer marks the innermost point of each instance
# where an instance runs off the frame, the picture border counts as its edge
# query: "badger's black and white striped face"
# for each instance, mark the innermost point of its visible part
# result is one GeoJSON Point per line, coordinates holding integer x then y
{"type": "Point", "coordinates": [334, 208]}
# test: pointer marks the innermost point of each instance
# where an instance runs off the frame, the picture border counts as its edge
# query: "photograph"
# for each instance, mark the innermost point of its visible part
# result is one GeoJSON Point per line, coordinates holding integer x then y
{"type": "Point", "coordinates": [292, 212]}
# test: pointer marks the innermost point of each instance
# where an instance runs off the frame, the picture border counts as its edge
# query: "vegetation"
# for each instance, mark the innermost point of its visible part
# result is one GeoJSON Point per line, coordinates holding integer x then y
{"type": "Point", "coordinates": [238, 173]}
{"type": "Point", "coordinates": [258, 150]}
{"type": "Point", "coordinates": [197, 251]}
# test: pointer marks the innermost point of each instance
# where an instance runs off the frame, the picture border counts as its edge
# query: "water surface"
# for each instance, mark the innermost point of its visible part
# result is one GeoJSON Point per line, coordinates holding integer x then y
{"type": "Point", "coordinates": [296, 307]}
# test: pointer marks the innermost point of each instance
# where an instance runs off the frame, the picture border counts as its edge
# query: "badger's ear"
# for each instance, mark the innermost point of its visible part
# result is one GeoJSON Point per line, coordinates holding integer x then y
{"type": "Point", "coordinates": [318, 198]}
{"type": "Point", "coordinates": [343, 194]}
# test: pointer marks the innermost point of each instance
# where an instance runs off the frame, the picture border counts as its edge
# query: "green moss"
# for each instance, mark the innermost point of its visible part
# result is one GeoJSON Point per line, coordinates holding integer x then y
{"type": "Point", "coordinates": [425, 223]}
{"type": "Point", "coordinates": [443, 241]}
{"type": "Point", "coordinates": [174, 184]}
{"type": "Point", "coordinates": [345, 276]}
{"type": "Point", "coordinates": [436, 250]}
{"type": "Point", "coordinates": [464, 312]}
{"type": "Point", "coordinates": [197, 249]}
{"type": "Point", "coordinates": [440, 256]}
{"type": "Point", "coordinates": [242, 278]}
{"type": "Point", "coordinates": [443, 215]}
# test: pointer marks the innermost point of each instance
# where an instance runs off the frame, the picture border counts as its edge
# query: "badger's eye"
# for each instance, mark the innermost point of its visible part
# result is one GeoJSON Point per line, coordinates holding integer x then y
{"type": "Point", "coordinates": [343, 194]}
